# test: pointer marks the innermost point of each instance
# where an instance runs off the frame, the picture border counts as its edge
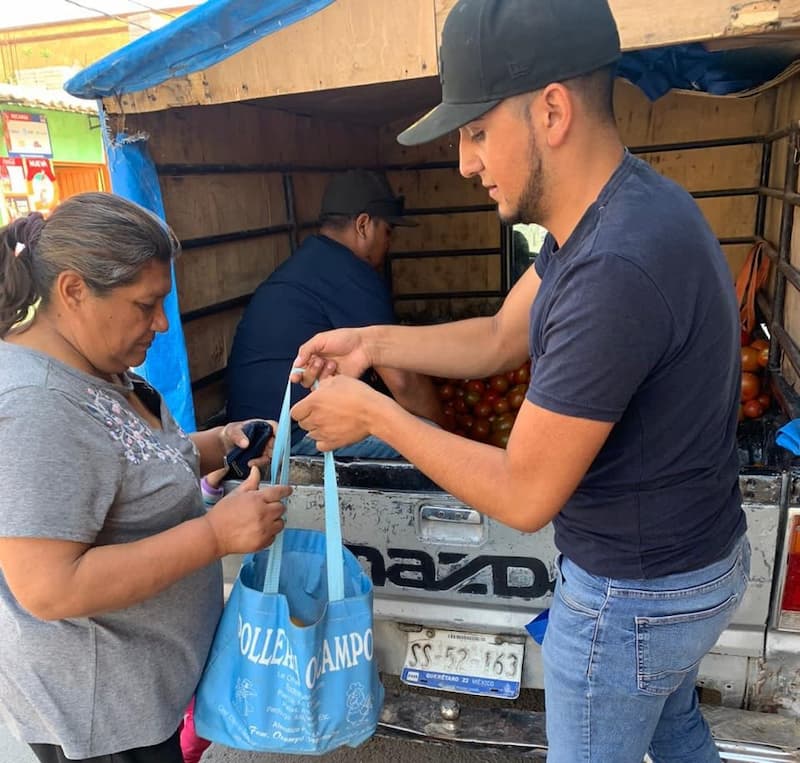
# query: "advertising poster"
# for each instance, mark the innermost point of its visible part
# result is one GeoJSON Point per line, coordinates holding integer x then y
{"type": "Point", "coordinates": [27, 185]}
{"type": "Point", "coordinates": [26, 134]}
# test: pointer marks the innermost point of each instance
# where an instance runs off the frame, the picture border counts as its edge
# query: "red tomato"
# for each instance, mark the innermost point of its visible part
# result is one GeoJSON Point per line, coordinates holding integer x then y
{"type": "Point", "coordinates": [483, 409]}
{"type": "Point", "coordinates": [511, 375]}
{"type": "Point", "coordinates": [763, 357]}
{"type": "Point", "coordinates": [759, 344]}
{"type": "Point", "coordinates": [447, 392]}
{"type": "Point", "coordinates": [503, 423]}
{"type": "Point", "coordinates": [765, 400]}
{"type": "Point", "coordinates": [465, 421]}
{"type": "Point", "coordinates": [459, 391]}
{"type": "Point", "coordinates": [448, 407]}
{"type": "Point", "coordinates": [516, 397]}
{"type": "Point", "coordinates": [752, 409]}
{"type": "Point", "coordinates": [751, 386]}
{"type": "Point", "coordinates": [472, 397]}
{"type": "Point", "coordinates": [499, 439]}
{"type": "Point", "coordinates": [523, 374]}
{"type": "Point", "coordinates": [749, 359]}
{"type": "Point", "coordinates": [460, 405]}
{"type": "Point", "coordinates": [491, 397]}
{"type": "Point", "coordinates": [499, 384]}
{"type": "Point", "coordinates": [502, 406]}
{"type": "Point", "coordinates": [481, 429]}
{"type": "Point", "coordinates": [474, 385]}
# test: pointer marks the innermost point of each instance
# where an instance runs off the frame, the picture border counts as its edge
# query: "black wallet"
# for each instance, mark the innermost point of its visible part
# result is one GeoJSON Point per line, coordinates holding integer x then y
{"type": "Point", "coordinates": [258, 433]}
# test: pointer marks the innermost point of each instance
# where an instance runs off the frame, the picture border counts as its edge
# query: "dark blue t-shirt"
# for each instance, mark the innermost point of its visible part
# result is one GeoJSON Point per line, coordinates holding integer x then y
{"type": "Point", "coordinates": [636, 323]}
{"type": "Point", "coordinates": [322, 286]}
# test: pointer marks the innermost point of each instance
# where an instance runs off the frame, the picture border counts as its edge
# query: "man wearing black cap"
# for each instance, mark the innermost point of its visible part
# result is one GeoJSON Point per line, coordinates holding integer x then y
{"type": "Point", "coordinates": [627, 438]}
{"type": "Point", "coordinates": [331, 281]}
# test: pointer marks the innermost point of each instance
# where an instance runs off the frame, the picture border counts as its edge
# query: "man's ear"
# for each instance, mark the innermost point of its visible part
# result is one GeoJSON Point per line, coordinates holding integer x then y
{"type": "Point", "coordinates": [71, 289]}
{"type": "Point", "coordinates": [556, 111]}
{"type": "Point", "coordinates": [362, 224]}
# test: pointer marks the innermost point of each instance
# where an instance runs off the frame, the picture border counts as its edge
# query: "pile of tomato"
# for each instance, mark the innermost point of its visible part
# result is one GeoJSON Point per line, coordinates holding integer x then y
{"type": "Point", "coordinates": [755, 400]}
{"type": "Point", "coordinates": [484, 409]}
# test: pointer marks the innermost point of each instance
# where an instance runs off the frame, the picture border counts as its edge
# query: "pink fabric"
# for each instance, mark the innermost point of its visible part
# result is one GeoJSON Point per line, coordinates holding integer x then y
{"type": "Point", "coordinates": [192, 746]}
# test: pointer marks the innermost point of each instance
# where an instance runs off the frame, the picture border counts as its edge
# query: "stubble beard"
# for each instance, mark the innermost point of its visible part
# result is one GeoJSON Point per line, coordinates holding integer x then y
{"type": "Point", "coordinates": [532, 204]}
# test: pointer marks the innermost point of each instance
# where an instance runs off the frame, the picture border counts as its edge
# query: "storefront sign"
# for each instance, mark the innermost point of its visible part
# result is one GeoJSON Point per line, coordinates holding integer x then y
{"type": "Point", "coordinates": [12, 176]}
{"type": "Point", "coordinates": [26, 185]}
{"type": "Point", "coordinates": [36, 166]}
{"type": "Point", "coordinates": [26, 134]}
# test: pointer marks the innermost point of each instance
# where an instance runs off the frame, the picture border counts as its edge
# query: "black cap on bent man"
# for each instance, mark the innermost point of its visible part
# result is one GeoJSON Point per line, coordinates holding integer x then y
{"type": "Point", "coordinates": [355, 191]}
{"type": "Point", "coordinates": [495, 49]}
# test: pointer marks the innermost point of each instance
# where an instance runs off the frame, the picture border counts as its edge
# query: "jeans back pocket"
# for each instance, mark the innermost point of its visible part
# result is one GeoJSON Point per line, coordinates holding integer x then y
{"type": "Point", "coordinates": [668, 647]}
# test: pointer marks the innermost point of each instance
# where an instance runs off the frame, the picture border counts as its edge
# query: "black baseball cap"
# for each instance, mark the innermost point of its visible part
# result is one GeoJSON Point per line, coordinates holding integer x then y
{"type": "Point", "coordinates": [493, 49]}
{"type": "Point", "coordinates": [355, 191]}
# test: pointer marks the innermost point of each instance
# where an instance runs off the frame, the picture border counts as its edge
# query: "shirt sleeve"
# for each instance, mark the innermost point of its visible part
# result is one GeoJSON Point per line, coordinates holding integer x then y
{"type": "Point", "coordinates": [543, 258]}
{"type": "Point", "coordinates": [59, 471]}
{"type": "Point", "coordinates": [607, 328]}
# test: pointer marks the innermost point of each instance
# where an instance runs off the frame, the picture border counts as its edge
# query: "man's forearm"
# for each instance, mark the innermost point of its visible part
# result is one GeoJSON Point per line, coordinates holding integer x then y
{"type": "Point", "coordinates": [471, 348]}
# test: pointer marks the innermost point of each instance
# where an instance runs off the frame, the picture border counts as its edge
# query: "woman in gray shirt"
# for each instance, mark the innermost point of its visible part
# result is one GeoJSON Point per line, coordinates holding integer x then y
{"type": "Point", "coordinates": [110, 580]}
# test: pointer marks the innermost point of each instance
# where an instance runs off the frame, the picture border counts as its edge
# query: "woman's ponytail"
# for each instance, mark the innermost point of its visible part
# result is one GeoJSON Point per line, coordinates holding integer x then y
{"type": "Point", "coordinates": [17, 286]}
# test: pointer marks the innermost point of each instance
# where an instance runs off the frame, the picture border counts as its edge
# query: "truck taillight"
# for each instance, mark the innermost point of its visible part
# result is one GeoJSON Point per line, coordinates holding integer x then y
{"type": "Point", "coordinates": [790, 601]}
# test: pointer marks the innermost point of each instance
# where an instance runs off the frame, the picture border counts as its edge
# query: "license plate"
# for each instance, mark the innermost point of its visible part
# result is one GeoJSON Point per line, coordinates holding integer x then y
{"type": "Point", "coordinates": [470, 663]}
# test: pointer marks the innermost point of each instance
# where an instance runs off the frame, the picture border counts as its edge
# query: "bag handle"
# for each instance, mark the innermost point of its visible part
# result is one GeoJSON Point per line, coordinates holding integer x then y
{"type": "Point", "coordinates": [279, 475]}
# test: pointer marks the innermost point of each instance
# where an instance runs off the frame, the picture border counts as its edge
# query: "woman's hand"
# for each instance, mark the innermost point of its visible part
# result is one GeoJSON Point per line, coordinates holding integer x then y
{"type": "Point", "coordinates": [73, 579]}
{"type": "Point", "coordinates": [232, 434]}
{"type": "Point", "coordinates": [215, 478]}
{"type": "Point", "coordinates": [248, 519]}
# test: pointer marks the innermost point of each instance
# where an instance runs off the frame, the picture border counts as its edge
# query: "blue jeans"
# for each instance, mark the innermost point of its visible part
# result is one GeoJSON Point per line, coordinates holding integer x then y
{"type": "Point", "coordinates": [369, 447]}
{"type": "Point", "coordinates": [621, 659]}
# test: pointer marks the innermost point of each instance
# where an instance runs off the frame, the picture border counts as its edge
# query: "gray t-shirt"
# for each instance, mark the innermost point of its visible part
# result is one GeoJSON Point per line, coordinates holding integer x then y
{"type": "Point", "coordinates": [79, 464]}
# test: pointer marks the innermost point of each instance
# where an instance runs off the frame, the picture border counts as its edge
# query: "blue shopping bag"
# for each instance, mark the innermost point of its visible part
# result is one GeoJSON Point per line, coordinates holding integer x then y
{"type": "Point", "coordinates": [291, 668]}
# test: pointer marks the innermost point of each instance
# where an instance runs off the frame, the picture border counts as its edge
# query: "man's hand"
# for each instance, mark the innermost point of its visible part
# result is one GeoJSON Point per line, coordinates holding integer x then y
{"type": "Point", "coordinates": [343, 351]}
{"type": "Point", "coordinates": [339, 412]}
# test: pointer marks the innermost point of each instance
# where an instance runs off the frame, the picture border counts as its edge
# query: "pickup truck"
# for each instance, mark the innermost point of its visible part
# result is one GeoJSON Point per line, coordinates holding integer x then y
{"type": "Point", "coordinates": [454, 591]}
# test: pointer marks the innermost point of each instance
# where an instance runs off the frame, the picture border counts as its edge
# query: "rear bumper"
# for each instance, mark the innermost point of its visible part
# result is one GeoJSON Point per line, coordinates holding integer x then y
{"type": "Point", "coordinates": [742, 736]}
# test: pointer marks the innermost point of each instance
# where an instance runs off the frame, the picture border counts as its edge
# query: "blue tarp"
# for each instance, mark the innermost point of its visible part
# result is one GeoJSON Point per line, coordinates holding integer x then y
{"type": "Point", "coordinates": [692, 67]}
{"type": "Point", "coordinates": [133, 175]}
{"type": "Point", "coordinates": [196, 40]}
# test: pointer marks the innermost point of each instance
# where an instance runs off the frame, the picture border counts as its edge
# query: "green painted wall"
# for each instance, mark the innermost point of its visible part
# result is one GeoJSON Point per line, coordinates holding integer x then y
{"type": "Point", "coordinates": [70, 136]}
